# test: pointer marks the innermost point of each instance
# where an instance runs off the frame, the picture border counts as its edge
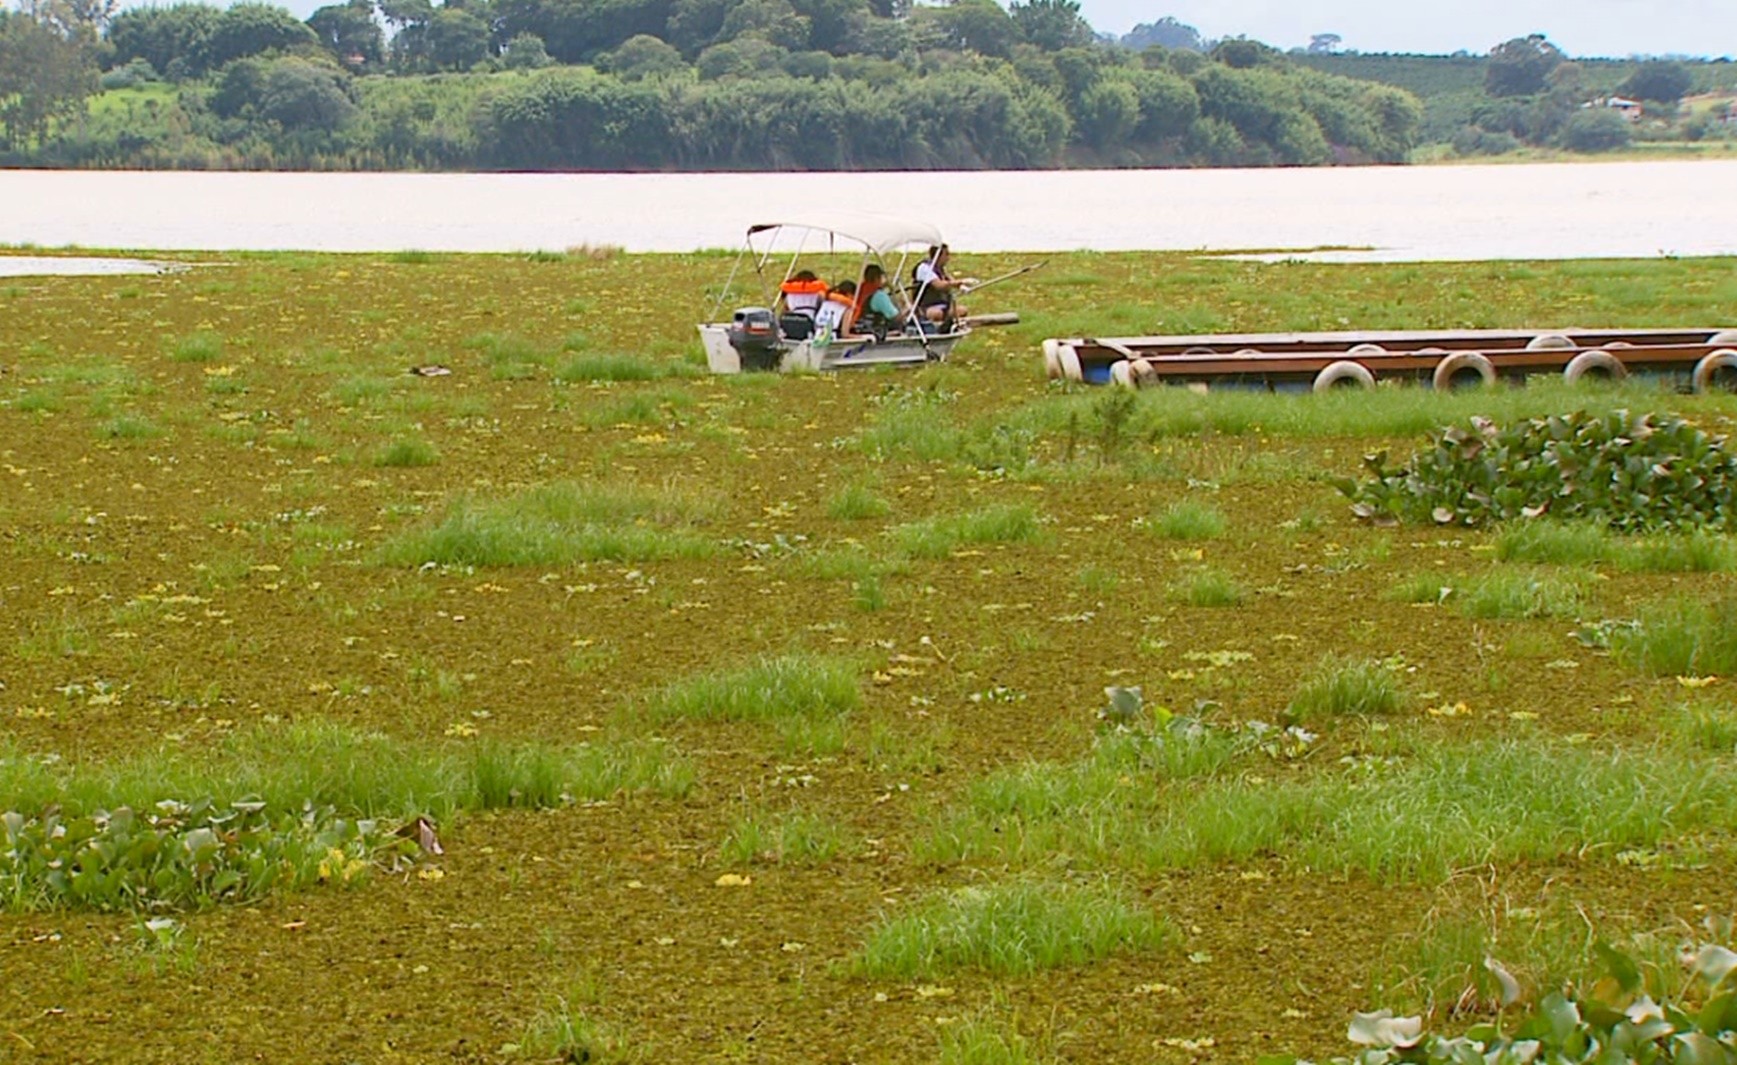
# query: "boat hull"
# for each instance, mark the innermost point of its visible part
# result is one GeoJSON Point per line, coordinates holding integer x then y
{"type": "Point", "coordinates": [838, 354]}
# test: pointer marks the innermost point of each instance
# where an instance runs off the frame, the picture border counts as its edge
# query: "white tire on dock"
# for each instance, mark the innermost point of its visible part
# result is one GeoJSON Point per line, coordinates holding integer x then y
{"type": "Point", "coordinates": [1723, 337]}
{"type": "Point", "coordinates": [1616, 345]}
{"type": "Point", "coordinates": [1051, 360]}
{"type": "Point", "coordinates": [1121, 374]}
{"type": "Point", "coordinates": [1199, 349]}
{"type": "Point", "coordinates": [1708, 377]}
{"type": "Point", "coordinates": [1595, 363]}
{"type": "Point", "coordinates": [1549, 342]}
{"type": "Point", "coordinates": [1343, 374]}
{"type": "Point", "coordinates": [1457, 369]}
{"type": "Point", "coordinates": [1070, 363]}
{"type": "Point", "coordinates": [1365, 349]}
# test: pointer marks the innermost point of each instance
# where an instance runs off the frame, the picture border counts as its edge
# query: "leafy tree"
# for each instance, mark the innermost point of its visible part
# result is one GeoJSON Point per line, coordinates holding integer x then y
{"type": "Point", "coordinates": [980, 26]}
{"type": "Point", "coordinates": [1168, 104]}
{"type": "Point", "coordinates": [1051, 24]}
{"type": "Point", "coordinates": [165, 37]}
{"type": "Point", "coordinates": [812, 65]}
{"type": "Point", "coordinates": [299, 94]}
{"type": "Point", "coordinates": [744, 57]}
{"type": "Point", "coordinates": [1325, 43]}
{"type": "Point", "coordinates": [771, 20]}
{"type": "Point", "coordinates": [1659, 81]}
{"type": "Point", "coordinates": [349, 30]}
{"type": "Point", "coordinates": [577, 31]}
{"type": "Point", "coordinates": [577, 119]}
{"type": "Point", "coordinates": [833, 25]}
{"type": "Point", "coordinates": [45, 75]}
{"type": "Point", "coordinates": [1595, 129]}
{"type": "Point", "coordinates": [1107, 113]}
{"type": "Point", "coordinates": [1518, 67]}
{"type": "Point", "coordinates": [643, 56]}
{"type": "Point", "coordinates": [1167, 32]}
{"type": "Point", "coordinates": [525, 51]}
{"type": "Point", "coordinates": [253, 29]}
{"type": "Point", "coordinates": [1242, 53]}
{"type": "Point", "coordinates": [694, 24]}
{"type": "Point", "coordinates": [458, 38]}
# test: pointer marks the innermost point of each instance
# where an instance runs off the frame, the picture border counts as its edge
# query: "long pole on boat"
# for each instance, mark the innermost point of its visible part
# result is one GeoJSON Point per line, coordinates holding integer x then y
{"type": "Point", "coordinates": [1007, 276]}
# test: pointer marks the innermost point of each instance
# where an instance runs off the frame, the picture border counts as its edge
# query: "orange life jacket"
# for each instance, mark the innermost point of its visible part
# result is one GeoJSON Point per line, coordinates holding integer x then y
{"type": "Point", "coordinates": [803, 288]}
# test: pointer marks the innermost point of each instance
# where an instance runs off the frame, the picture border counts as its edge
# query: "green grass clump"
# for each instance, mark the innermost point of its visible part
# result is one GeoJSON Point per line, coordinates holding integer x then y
{"type": "Point", "coordinates": [199, 347]}
{"type": "Point", "coordinates": [1695, 552]}
{"type": "Point", "coordinates": [795, 838]}
{"type": "Point", "coordinates": [940, 536]}
{"type": "Point", "coordinates": [1557, 543]}
{"type": "Point", "coordinates": [1010, 930]}
{"type": "Point", "coordinates": [1189, 520]}
{"type": "Point", "coordinates": [1519, 594]}
{"type": "Point", "coordinates": [987, 1040]}
{"type": "Point", "coordinates": [1340, 686]}
{"type": "Point", "coordinates": [558, 524]}
{"type": "Point", "coordinates": [609, 367]}
{"type": "Point", "coordinates": [1706, 725]}
{"type": "Point", "coordinates": [1682, 637]}
{"type": "Point", "coordinates": [856, 502]}
{"type": "Point", "coordinates": [411, 451]}
{"type": "Point", "coordinates": [1421, 588]}
{"type": "Point", "coordinates": [130, 427]}
{"type": "Point", "coordinates": [770, 689]}
{"type": "Point", "coordinates": [1416, 818]}
{"type": "Point", "coordinates": [1208, 588]}
{"type": "Point", "coordinates": [364, 774]}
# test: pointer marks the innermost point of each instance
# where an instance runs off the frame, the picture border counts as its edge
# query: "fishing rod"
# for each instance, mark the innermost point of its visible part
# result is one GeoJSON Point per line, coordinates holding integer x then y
{"type": "Point", "coordinates": [1007, 276]}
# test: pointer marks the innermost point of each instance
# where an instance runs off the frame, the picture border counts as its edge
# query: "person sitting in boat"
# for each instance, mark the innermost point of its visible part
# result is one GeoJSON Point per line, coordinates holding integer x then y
{"type": "Point", "coordinates": [802, 293]}
{"type": "Point", "coordinates": [933, 288]}
{"type": "Point", "coordinates": [835, 316]}
{"type": "Point", "coordinates": [874, 311]}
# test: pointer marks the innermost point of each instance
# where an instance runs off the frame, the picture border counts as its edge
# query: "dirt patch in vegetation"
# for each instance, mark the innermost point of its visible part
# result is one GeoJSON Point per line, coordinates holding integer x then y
{"type": "Point", "coordinates": [865, 622]}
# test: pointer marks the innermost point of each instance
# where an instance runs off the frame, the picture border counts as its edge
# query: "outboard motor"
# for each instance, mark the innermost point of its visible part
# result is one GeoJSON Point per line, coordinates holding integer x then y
{"type": "Point", "coordinates": [754, 334]}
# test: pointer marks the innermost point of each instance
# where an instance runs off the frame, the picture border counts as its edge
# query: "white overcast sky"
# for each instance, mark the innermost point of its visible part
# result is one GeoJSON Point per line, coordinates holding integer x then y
{"type": "Point", "coordinates": [1439, 27]}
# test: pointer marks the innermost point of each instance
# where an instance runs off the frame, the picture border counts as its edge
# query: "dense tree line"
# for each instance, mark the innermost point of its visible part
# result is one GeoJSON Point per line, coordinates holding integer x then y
{"type": "Point", "coordinates": [1525, 91]}
{"type": "Point", "coordinates": [693, 84]}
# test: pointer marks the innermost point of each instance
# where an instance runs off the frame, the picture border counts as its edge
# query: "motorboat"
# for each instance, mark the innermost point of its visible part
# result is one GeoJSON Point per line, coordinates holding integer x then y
{"type": "Point", "coordinates": [840, 245]}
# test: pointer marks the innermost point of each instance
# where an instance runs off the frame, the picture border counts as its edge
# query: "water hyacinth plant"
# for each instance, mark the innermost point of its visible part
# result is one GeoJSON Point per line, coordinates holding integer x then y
{"type": "Point", "coordinates": [1632, 472]}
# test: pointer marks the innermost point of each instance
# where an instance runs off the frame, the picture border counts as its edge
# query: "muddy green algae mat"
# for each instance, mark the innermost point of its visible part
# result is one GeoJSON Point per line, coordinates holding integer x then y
{"type": "Point", "coordinates": [765, 718]}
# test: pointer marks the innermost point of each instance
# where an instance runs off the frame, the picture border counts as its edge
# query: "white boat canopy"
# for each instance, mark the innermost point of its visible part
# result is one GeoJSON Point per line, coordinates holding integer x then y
{"type": "Point", "coordinates": [880, 233]}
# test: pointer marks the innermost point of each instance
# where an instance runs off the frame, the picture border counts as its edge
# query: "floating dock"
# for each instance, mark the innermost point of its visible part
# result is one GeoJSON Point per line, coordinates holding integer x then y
{"type": "Point", "coordinates": [1699, 360]}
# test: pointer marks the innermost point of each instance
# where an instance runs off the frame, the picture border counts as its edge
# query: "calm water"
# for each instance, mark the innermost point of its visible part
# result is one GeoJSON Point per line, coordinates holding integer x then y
{"type": "Point", "coordinates": [1583, 210]}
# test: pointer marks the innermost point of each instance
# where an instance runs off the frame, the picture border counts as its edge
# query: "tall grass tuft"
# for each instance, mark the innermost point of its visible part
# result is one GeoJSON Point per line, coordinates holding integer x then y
{"type": "Point", "coordinates": [1558, 543]}
{"type": "Point", "coordinates": [559, 524]}
{"type": "Point", "coordinates": [795, 838]}
{"type": "Point", "coordinates": [770, 689]}
{"type": "Point", "coordinates": [1340, 686]}
{"type": "Point", "coordinates": [1189, 520]}
{"type": "Point", "coordinates": [410, 451]}
{"type": "Point", "coordinates": [199, 347]}
{"type": "Point", "coordinates": [940, 536]}
{"type": "Point", "coordinates": [609, 367]}
{"type": "Point", "coordinates": [1208, 588]}
{"type": "Point", "coordinates": [1520, 594]}
{"type": "Point", "coordinates": [986, 1040]}
{"type": "Point", "coordinates": [1416, 818]}
{"type": "Point", "coordinates": [358, 773]}
{"type": "Point", "coordinates": [1682, 637]}
{"type": "Point", "coordinates": [1695, 552]}
{"type": "Point", "coordinates": [1421, 588]}
{"type": "Point", "coordinates": [856, 502]}
{"type": "Point", "coordinates": [1010, 930]}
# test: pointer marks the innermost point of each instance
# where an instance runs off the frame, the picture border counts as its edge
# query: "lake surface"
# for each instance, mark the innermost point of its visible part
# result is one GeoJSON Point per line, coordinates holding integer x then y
{"type": "Point", "coordinates": [1545, 211]}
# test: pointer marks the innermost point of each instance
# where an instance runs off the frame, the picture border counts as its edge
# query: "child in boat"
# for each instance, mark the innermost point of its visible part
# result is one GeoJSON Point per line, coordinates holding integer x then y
{"type": "Point", "coordinates": [802, 294]}
{"type": "Point", "coordinates": [874, 306]}
{"type": "Point", "coordinates": [834, 317]}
